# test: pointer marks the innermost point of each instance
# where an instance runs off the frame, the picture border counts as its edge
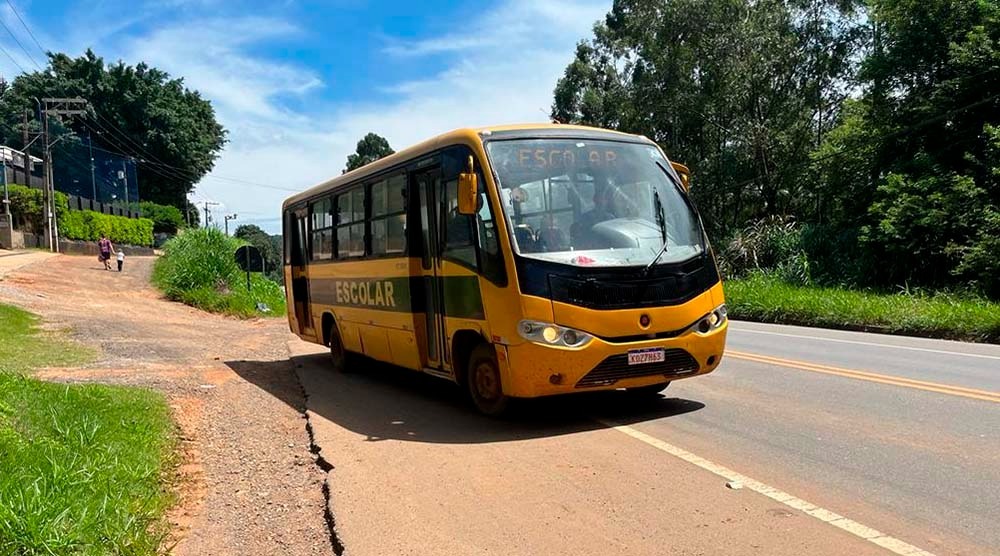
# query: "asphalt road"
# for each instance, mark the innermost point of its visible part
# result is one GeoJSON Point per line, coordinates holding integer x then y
{"type": "Point", "coordinates": [898, 437]}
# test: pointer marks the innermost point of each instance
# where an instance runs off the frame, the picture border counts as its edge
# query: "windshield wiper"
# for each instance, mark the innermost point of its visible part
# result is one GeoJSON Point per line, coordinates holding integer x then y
{"type": "Point", "coordinates": [661, 221]}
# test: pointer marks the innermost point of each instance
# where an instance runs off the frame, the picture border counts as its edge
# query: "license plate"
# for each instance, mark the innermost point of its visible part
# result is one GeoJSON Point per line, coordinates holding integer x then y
{"type": "Point", "coordinates": [645, 356]}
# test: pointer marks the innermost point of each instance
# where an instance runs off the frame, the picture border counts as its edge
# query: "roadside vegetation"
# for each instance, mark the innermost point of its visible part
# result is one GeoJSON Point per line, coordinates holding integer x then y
{"type": "Point", "coordinates": [83, 465]}
{"type": "Point", "coordinates": [876, 158]}
{"type": "Point", "coordinates": [778, 271]}
{"type": "Point", "coordinates": [85, 225]}
{"type": "Point", "coordinates": [198, 268]}
{"type": "Point", "coordinates": [767, 298]}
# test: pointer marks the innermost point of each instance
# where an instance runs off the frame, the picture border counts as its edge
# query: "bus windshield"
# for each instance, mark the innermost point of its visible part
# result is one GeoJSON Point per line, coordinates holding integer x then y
{"type": "Point", "coordinates": [593, 202]}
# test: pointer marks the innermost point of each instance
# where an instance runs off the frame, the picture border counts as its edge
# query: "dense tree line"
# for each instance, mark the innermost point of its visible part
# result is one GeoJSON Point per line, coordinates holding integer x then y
{"type": "Point", "coordinates": [860, 134]}
{"type": "Point", "coordinates": [137, 111]}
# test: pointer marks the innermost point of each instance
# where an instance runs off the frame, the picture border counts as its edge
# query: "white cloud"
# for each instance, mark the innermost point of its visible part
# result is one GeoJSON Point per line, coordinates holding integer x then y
{"type": "Point", "coordinates": [502, 68]}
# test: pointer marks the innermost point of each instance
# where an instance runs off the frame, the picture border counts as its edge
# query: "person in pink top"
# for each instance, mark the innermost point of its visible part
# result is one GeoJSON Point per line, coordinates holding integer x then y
{"type": "Point", "coordinates": [106, 248]}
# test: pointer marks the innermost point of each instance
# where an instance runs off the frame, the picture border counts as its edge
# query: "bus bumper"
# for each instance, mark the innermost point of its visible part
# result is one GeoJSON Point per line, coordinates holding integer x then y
{"type": "Point", "coordinates": [534, 370]}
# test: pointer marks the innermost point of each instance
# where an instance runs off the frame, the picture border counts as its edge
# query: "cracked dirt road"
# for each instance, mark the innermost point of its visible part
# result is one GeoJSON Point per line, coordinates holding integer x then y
{"type": "Point", "coordinates": [249, 481]}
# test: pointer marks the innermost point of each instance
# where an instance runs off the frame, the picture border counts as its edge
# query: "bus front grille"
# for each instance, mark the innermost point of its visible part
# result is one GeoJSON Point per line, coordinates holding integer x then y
{"type": "Point", "coordinates": [677, 362]}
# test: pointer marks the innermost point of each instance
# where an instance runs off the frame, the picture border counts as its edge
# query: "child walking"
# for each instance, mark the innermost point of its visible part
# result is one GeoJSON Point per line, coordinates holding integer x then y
{"type": "Point", "coordinates": [121, 260]}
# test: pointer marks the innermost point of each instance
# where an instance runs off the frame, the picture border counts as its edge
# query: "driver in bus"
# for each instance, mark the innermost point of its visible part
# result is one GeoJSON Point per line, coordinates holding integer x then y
{"type": "Point", "coordinates": [582, 230]}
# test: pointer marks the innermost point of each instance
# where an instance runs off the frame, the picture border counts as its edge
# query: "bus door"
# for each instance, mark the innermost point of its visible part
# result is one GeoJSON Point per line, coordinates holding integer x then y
{"type": "Point", "coordinates": [427, 183]}
{"type": "Point", "coordinates": [300, 271]}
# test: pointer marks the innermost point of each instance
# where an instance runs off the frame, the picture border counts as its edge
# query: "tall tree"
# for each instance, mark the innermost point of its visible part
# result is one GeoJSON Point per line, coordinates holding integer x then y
{"type": "Point", "coordinates": [738, 90]}
{"type": "Point", "coordinates": [139, 111]}
{"type": "Point", "coordinates": [370, 148]}
{"type": "Point", "coordinates": [932, 82]}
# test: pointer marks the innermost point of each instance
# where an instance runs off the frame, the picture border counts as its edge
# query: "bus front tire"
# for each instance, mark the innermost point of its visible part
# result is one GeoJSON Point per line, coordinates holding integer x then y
{"type": "Point", "coordinates": [647, 391]}
{"type": "Point", "coordinates": [338, 355]}
{"type": "Point", "coordinates": [485, 387]}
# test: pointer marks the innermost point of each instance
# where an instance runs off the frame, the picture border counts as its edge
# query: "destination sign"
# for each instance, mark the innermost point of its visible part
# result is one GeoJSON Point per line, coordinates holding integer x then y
{"type": "Point", "coordinates": [552, 158]}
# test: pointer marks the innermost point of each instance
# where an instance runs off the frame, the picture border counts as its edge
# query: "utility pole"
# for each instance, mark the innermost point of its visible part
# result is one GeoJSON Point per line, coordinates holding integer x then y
{"type": "Point", "coordinates": [93, 181]}
{"type": "Point", "coordinates": [27, 150]}
{"type": "Point", "coordinates": [208, 215]}
{"type": "Point", "coordinates": [125, 178]}
{"type": "Point", "coordinates": [6, 196]}
{"type": "Point", "coordinates": [229, 217]}
{"type": "Point", "coordinates": [59, 107]}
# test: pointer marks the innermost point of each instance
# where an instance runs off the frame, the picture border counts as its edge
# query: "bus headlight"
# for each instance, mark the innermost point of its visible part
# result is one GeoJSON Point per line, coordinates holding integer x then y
{"type": "Point", "coordinates": [711, 321]}
{"type": "Point", "coordinates": [552, 334]}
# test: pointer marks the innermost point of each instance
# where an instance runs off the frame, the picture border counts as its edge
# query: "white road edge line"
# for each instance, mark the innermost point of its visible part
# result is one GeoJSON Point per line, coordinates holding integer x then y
{"type": "Point", "coordinates": [859, 530]}
{"type": "Point", "coordinates": [894, 346]}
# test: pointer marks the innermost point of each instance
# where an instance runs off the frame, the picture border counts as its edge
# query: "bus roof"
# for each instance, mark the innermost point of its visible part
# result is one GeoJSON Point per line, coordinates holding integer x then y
{"type": "Point", "coordinates": [443, 140]}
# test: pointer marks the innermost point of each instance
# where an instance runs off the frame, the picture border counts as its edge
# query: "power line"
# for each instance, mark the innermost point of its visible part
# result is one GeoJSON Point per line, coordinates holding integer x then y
{"type": "Point", "coordinates": [26, 28]}
{"type": "Point", "coordinates": [4, 50]}
{"type": "Point", "coordinates": [23, 49]}
{"type": "Point", "coordinates": [175, 173]}
{"type": "Point", "coordinates": [110, 137]}
{"type": "Point", "coordinates": [180, 171]}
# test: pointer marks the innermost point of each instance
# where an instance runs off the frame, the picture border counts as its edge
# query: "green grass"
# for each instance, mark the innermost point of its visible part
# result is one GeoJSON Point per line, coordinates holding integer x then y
{"type": "Point", "coordinates": [82, 467]}
{"type": "Point", "coordinates": [23, 347]}
{"type": "Point", "coordinates": [765, 298]}
{"type": "Point", "coordinates": [197, 268]}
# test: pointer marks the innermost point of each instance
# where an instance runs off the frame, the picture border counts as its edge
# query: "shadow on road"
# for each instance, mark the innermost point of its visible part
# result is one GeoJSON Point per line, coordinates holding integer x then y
{"type": "Point", "coordinates": [385, 402]}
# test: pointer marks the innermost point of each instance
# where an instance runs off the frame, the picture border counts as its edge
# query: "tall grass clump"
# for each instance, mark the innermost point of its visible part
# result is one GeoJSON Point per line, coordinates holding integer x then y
{"type": "Point", "coordinates": [198, 268]}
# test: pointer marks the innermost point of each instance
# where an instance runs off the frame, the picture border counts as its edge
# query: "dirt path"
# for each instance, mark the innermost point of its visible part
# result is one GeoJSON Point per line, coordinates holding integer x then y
{"type": "Point", "coordinates": [250, 482]}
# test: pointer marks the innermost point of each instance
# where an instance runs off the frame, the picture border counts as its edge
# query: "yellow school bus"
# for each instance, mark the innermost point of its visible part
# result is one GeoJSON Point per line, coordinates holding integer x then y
{"type": "Point", "coordinates": [517, 261]}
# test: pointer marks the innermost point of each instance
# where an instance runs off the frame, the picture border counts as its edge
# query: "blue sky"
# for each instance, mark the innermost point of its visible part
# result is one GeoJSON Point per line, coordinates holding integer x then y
{"type": "Point", "coordinates": [298, 82]}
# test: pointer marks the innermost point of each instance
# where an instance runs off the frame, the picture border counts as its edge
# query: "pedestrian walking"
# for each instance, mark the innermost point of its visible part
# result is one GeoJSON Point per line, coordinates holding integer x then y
{"type": "Point", "coordinates": [121, 260]}
{"type": "Point", "coordinates": [106, 248]}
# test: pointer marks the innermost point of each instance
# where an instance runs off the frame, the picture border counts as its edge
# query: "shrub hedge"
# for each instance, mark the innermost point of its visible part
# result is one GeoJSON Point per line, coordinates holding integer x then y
{"type": "Point", "coordinates": [89, 225]}
{"type": "Point", "coordinates": [26, 204]}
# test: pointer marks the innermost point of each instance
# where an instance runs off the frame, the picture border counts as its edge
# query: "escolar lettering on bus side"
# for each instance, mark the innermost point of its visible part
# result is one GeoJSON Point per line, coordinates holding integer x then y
{"type": "Point", "coordinates": [371, 293]}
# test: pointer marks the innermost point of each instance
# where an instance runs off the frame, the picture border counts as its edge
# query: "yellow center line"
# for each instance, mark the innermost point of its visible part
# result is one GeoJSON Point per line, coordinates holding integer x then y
{"type": "Point", "coordinates": [984, 395]}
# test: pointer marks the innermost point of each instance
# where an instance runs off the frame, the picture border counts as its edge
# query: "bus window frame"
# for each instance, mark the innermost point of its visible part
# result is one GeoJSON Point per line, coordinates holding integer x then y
{"type": "Point", "coordinates": [405, 172]}
{"type": "Point", "coordinates": [497, 271]}
{"type": "Point", "coordinates": [338, 225]}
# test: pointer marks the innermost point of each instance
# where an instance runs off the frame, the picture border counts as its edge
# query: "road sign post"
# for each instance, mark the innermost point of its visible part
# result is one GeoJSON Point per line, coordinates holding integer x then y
{"type": "Point", "coordinates": [249, 257]}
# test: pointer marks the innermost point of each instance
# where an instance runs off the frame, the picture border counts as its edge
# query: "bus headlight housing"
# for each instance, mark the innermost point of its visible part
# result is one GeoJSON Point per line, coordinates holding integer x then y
{"type": "Point", "coordinates": [711, 321]}
{"type": "Point", "coordinates": [550, 334]}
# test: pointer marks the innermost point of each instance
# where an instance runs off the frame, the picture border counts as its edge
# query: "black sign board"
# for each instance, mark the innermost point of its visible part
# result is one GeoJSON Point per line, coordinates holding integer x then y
{"type": "Point", "coordinates": [250, 259]}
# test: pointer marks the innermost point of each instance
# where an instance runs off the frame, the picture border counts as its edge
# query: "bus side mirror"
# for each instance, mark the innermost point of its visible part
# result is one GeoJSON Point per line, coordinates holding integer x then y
{"type": "Point", "coordinates": [684, 173]}
{"type": "Point", "coordinates": [468, 191]}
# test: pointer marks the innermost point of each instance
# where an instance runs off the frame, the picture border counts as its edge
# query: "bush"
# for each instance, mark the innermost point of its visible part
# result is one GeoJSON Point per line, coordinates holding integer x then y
{"type": "Point", "coordinates": [166, 219]}
{"type": "Point", "coordinates": [87, 225]}
{"type": "Point", "coordinates": [198, 268]}
{"type": "Point", "coordinates": [771, 244]}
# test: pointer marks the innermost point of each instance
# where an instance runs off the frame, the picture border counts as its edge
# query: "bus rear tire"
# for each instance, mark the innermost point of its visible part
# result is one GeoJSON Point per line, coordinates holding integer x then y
{"type": "Point", "coordinates": [339, 357]}
{"type": "Point", "coordinates": [483, 379]}
{"type": "Point", "coordinates": [647, 391]}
